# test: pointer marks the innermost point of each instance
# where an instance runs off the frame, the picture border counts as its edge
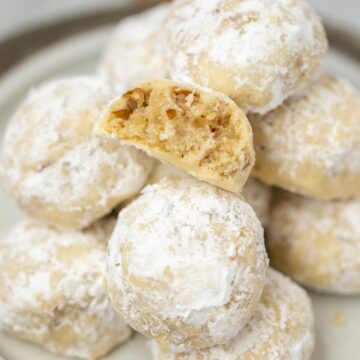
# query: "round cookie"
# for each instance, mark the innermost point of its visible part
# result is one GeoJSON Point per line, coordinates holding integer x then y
{"type": "Point", "coordinates": [56, 168]}
{"type": "Point", "coordinates": [198, 130]}
{"type": "Point", "coordinates": [282, 328]}
{"type": "Point", "coordinates": [52, 289]}
{"type": "Point", "coordinates": [255, 193]}
{"type": "Point", "coordinates": [258, 52]}
{"type": "Point", "coordinates": [311, 144]}
{"type": "Point", "coordinates": [133, 54]}
{"type": "Point", "coordinates": [190, 271]}
{"type": "Point", "coordinates": [316, 242]}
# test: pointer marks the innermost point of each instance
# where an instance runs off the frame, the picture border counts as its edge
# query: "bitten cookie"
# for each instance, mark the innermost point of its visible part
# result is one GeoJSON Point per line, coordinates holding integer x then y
{"type": "Point", "coordinates": [57, 170]}
{"type": "Point", "coordinates": [198, 130]}
{"type": "Point", "coordinates": [258, 52]}
{"type": "Point", "coordinates": [133, 54]}
{"type": "Point", "coordinates": [52, 289]}
{"type": "Point", "coordinates": [316, 242]}
{"type": "Point", "coordinates": [190, 270]}
{"type": "Point", "coordinates": [256, 194]}
{"type": "Point", "coordinates": [282, 328]}
{"type": "Point", "coordinates": [311, 144]}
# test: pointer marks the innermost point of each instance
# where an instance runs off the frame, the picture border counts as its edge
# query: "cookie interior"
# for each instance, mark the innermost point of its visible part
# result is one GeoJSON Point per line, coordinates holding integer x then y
{"type": "Point", "coordinates": [196, 130]}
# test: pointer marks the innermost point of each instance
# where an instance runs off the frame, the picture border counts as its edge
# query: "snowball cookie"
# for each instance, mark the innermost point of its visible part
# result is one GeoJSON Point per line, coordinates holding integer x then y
{"type": "Point", "coordinates": [54, 166]}
{"type": "Point", "coordinates": [282, 328]}
{"type": "Point", "coordinates": [255, 193]}
{"type": "Point", "coordinates": [311, 144]}
{"type": "Point", "coordinates": [316, 242]}
{"type": "Point", "coordinates": [195, 129]}
{"type": "Point", "coordinates": [52, 289]}
{"type": "Point", "coordinates": [258, 52]}
{"type": "Point", "coordinates": [133, 54]}
{"type": "Point", "coordinates": [190, 270]}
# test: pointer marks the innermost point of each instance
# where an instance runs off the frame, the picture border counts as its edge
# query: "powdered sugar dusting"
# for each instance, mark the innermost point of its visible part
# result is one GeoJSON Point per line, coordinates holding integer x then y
{"type": "Point", "coordinates": [205, 244]}
{"type": "Point", "coordinates": [320, 241]}
{"type": "Point", "coordinates": [43, 289]}
{"type": "Point", "coordinates": [133, 54]}
{"type": "Point", "coordinates": [53, 164]}
{"type": "Point", "coordinates": [254, 192]}
{"type": "Point", "coordinates": [282, 328]}
{"type": "Point", "coordinates": [320, 128]}
{"type": "Point", "coordinates": [273, 47]}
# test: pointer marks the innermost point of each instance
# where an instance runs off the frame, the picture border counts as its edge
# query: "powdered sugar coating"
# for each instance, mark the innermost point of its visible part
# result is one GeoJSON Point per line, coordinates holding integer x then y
{"type": "Point", "coordinates": [54, 166]}
{"type": "Point", "coordinates": [258, 52]}
{"type": "Point", "coordinates": [255, 193]}
{"type": "Point", "coordinates": [281, 329]}
{"type": "Point", "coordinates": [311, 144]}
{"type": "Point", "coordinates": [133, 53]}
{"type": "Point", "coordinates": [317, 242]}
{"type": "Point", "coordinates": [190, 270]}
{"type": "Point", "coordinates": [52, 289]}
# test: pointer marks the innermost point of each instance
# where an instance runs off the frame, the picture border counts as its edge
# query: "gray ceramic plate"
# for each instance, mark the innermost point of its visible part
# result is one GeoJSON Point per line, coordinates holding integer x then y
{"type": "Point", "coordinates": [337, 318]}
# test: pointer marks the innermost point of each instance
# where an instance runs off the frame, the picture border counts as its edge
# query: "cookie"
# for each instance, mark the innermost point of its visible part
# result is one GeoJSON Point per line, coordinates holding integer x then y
{"type": "Point", "coordinates": [256, 194]}
{"type": "Point", "coordinates": [52, 289]}
{"type": "Point", "coordinates": [197, 130]}
{"type": "Point", "coordinates": [190, 270]}
{"type": "Point", "coordinates": [316, 242]}
{"type": "Point", "coordinates": [282, 328]}
{"type": "Point", "coordinates": [57, 170]}
{"type": "Point", "coordinates": [257, 52]}
{"type": "Point", "coordinates": [311, 144]}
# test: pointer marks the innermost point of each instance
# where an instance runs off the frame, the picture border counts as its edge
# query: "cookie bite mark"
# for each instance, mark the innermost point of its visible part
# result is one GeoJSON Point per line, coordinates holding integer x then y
{"type": "Point", "coordinates": [197, 130]}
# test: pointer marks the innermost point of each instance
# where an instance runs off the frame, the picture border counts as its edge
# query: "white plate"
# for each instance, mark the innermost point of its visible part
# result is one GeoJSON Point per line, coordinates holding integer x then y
{"type": "Point", "coordinates": [337, 318]}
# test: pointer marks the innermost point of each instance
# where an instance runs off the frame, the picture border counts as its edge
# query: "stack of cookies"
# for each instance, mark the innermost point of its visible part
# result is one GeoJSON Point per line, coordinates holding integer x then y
{"type": "Point", "coordinates": [147, 187]}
